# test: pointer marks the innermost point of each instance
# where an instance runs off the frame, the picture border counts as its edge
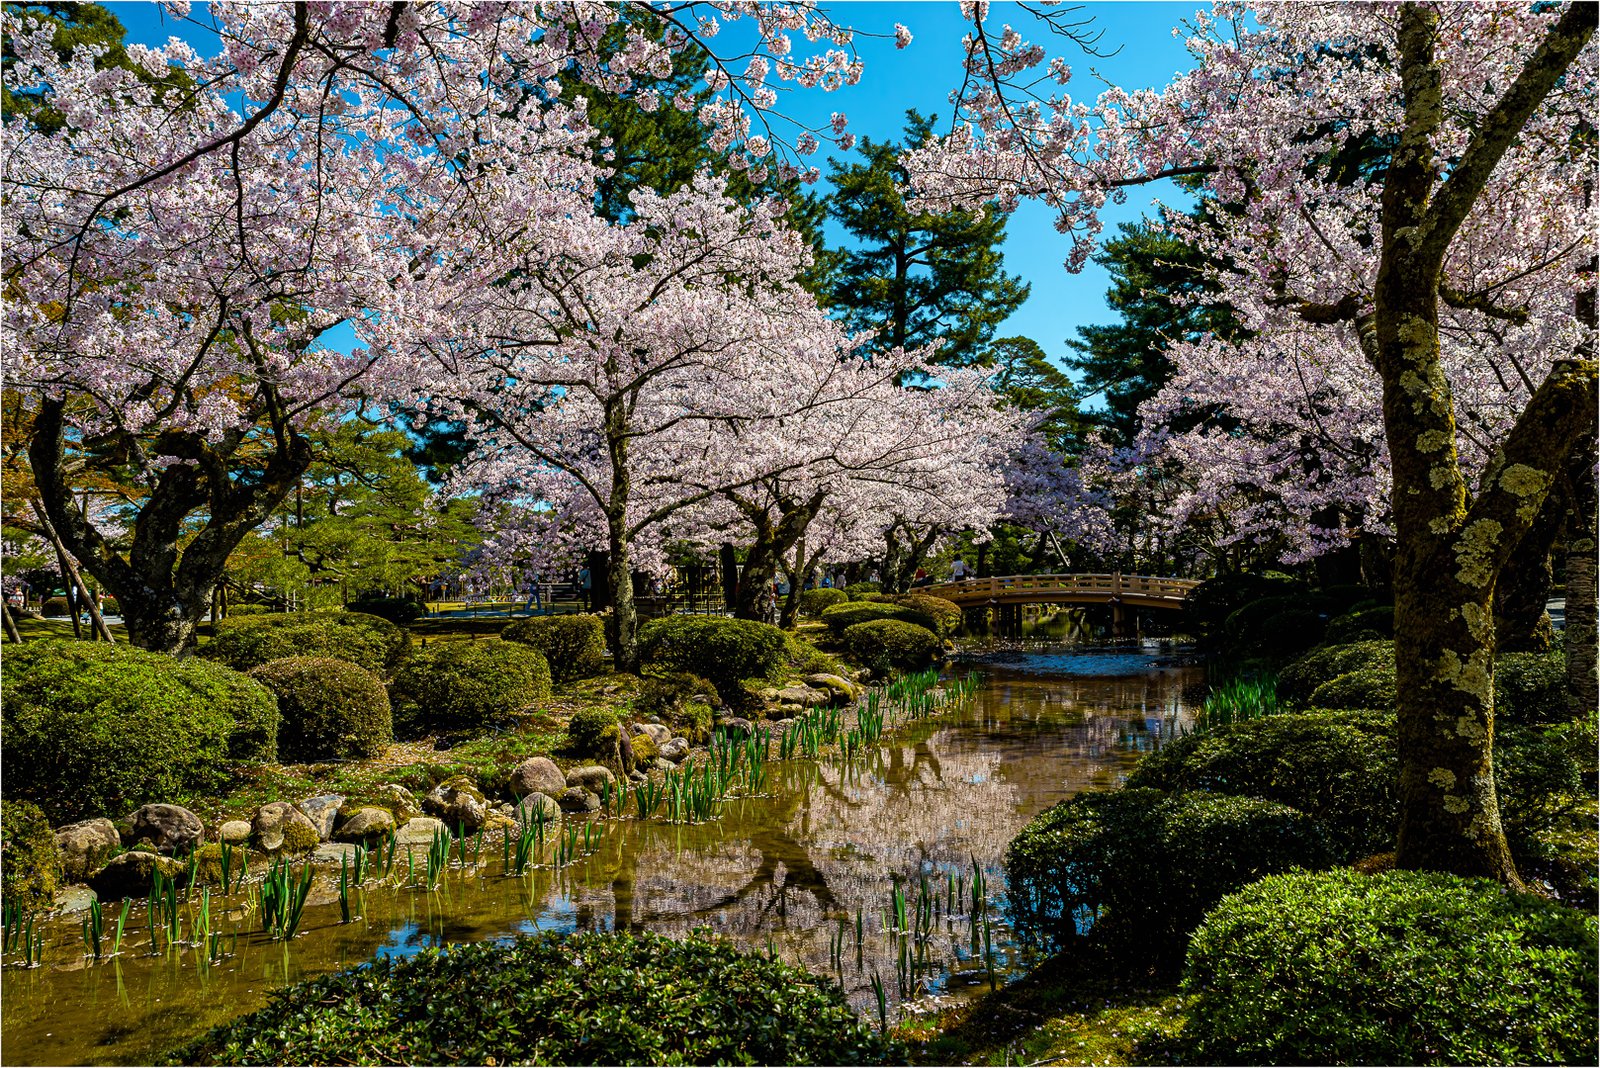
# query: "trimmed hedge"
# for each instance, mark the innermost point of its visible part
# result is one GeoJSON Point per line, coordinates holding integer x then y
{"type": "Point", "coordinates": [1530, 688]}
{"type": "Point", "coordinates": [331, 709]}
{"type": "Point", "coordinates": [1300, 678]}
{"type": "Point", "coordinates": [365, 640]}
{"type": "Point", "coordinates": [857, 590]}
{"type": "Point", "coordinates": [1398, 968]}
{"type": "Point", "coordinates": [467, 685]}
{"type": "Point", "coordinates": [943, 617]}
{"type": "Point", "coordinates": [1143, 867]}
{"type": "Point", "coordinates": [1340, 768]}
{"type": "Point", "coordinates": [574, 646]}
{"type": "Point", "coordinates": [1362, 623]}
{"type": "Point", "coordinates": [97, 730]}
{"type": "Point", "coordinates": [842, 616]}
{"type": "Point", "coordinates": [1537, 779]}
{"type": "Point", "coordinates": [886, 645]}
{"type": "Point", "coordinates": [1365, 688]}
{"type": "Point", "coordinates": [726, 651]}
{"type": "Point", "coordinates": [813, 602]}
{"type": "Point", "coordinates": [554, 999]}
{"type": "Point", "coordinates": [397, 610]}
{"type": "Point", "coordinates": [593, 733]}
{"type": "Point", "coordinates": [30, 866]}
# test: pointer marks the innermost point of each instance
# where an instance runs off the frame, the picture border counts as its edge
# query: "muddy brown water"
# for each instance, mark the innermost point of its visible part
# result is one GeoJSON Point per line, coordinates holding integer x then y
{"type": "Point", "coordinates": [782, 872]}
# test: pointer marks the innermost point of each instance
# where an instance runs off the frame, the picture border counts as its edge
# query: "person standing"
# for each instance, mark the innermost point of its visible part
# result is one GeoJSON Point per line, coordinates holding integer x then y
{"type": "Point", "coordinates": [958, 569]}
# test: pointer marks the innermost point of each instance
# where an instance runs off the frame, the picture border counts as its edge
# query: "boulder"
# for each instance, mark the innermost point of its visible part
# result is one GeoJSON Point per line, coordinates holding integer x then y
{"type": "Point", "coordinates": [234, 832]}
{"type": "Point", "coordinates": [323, 812]}
{"type": "Point", "coordinates": [418, 831]}
{"type": "Point", "coordinates": [401, 801]}
{"type": "Point", "coordinates": [274, 822]}
{"type": "Point", "coordinates": [334, 854]}
{"type": "Point", "coordinates": [659, 733]}
{"type": "Point", "coordinates": [804, 696]}
{"type": "Point", "coordinates": [458, 802]}
{"type": "Point", "coordinates": [365, 824]}
{"type": "Point", "coordinates": [839, 687]}
{"type": "Point", "coordinates": [578, 800]}
{"type": "Point", "coordinates": [590, 777]}
{"type": "Point", "coordinates": [736, 728]}
{"type": "Point", "coordinates": [537, 775]}
{"type": "Point", "coordinates": [131, 874]}
{"type": "Point", "coordinates": [636, 775]}
{"type": "Point", "coordinates": [74, 899]}
{"type": "Point", "coordinates": [535, 805]}
{"type": "Point", "coordinates": [169, 828]}
{"type": "Point", "coordinates": [675, 750]}
{"type": "Point", "coordinates": [84, 847]}
{"type": "Point", "coordinates": [663, 765]}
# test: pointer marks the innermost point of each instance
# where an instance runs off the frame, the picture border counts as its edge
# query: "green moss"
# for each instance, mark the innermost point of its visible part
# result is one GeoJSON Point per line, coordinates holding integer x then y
{"type": "Point", "coordinates": [298, 838]}
{"type": "Point", "coordinates": [593, 734]}
{"type": "Point", "coordinates": [30, 866]}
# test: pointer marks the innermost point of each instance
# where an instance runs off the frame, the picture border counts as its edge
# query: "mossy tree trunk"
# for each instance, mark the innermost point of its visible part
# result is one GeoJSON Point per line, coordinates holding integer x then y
{"type": "Point", "coordinates": [1521, 622]}
{"type": "Point", "coordinates": [779, 525]}
{"type": "Point", "coordinates": [1582, 632]}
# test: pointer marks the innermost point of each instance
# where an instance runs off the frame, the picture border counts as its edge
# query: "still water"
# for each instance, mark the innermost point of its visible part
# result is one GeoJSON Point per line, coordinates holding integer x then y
{"type": "Point", "coordinates": [787, 872]}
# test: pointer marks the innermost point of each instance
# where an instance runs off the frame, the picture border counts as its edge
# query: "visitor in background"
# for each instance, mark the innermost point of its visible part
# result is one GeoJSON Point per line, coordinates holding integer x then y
{"type": "Point", "coordinates": [958, 569]}
{"type": "Point", "coordinates": [920, 578]}
{"type": "Point", "coordinates": [586, 586]}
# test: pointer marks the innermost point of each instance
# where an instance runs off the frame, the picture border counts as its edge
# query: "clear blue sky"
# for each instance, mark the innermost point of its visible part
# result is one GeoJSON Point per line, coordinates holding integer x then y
{"type": "Point", "coordinates": [922, 76]}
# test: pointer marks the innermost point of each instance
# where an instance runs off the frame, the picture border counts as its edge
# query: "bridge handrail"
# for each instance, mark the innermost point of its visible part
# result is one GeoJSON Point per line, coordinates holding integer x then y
{"type": "Point", "coordinates": [1113, 583]}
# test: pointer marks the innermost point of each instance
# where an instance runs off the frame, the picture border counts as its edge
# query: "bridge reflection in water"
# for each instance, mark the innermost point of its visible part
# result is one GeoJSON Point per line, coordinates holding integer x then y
{"type": "Point", "coordinates": [1004, 595]}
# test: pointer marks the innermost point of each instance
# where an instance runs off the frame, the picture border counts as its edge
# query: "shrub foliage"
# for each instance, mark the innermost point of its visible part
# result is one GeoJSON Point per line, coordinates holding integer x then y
{"type": "Point", "coordinates": [1300, 678]}
{"type": "Point", "coordinates": [366, 640]}
{"type": "Point", "coordinates": [813, 602]}
{"type": "Point", "coordinates": [466, 685]}
{"type": "Point", "coordinates": [593, 733]}
{"type": "Point", "coordinates": [726, 651]}
{"type": "Point", "coordinates": [30, 866]}
{"type": "Point", "coordinates": [574, 645]}
{"type": "Point", "coordinates": [842, 616]}
{"type": "Point", "coordinates": [1362, 688]}
{"type": "Point", "coordinates": [397, 610]}
{"type": "Point", "coordinates": [886, 645]}
{"type": "Point", "coordinates": [330, 709]}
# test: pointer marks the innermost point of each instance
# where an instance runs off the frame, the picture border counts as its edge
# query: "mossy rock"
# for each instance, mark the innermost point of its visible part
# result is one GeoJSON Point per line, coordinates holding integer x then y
{"type": "Point", "coordinates": [30, 866]}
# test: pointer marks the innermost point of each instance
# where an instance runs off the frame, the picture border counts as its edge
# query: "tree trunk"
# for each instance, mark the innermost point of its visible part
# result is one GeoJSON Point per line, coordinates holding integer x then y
{"type": "Point", "coordinates": [13, 635]}
{"type": "Point", "coordinates": [622, 630]}
{"type": "Point", "coordinates": [1579, 567]}
{"type": "Point", "coordinates": [83, 601]}
{"type": "Point", "coordinates": [765, 555]}
{"type": "Point", "coordinates": [1521, 623]}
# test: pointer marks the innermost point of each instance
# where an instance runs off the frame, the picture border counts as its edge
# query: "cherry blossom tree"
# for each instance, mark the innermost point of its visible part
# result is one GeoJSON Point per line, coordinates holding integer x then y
{"type": "Point", "coordinates": [1408, 216]}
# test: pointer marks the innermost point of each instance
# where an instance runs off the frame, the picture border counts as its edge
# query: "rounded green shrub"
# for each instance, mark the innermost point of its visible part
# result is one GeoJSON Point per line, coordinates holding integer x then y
{"type": "Point", "coordinates": [97, 730]}
{"type": "Point", "coordinates": [1340, 768]}
{"type": "Point", "coordinates": [1139, 868]}
{"type": "Point", "coordinates": [726, 651]}
{"type": "Point", "coordinates": [1364, 688]}
{"type": "Point", "coordinates": [331, 709]}
{"type": "Point", "coordinates": [1399, 968]}
{"type": "Point", "coordinates": [1530, 688]}
{"type": "Point", "coordinates": [857, 590]}
{"type": "Point", "coordinates": [30, 866]}
{"type": "Point", "coordinates": [812, 602]}
{"type": "Point", "coordinates": [662, 695]}
{"type": "Point", "coordinates": [55, 607]}
{"type": "Point", "coordinates": [593, 733]}
{"type": "Point", "coordinates": [1300, 677]}
{"type": "Point", "coordinates": [807, 659]}
{"type": "Point", "coordinates": [842, 616]}
{"type": "Point", "coordinates": [365, 640]}
{"type": "Point", "coordinates": [941, 616]}
{"type": "Point", "coordinates": [465, 685]}
{"type": "Point", "coordinates": [397, 610]}
{"type": "Point", "coordinates": [886, 645]}
{"type": "Point", "coordinates": [574, 646]}
{"type": "Point", "coordinates": [1208, 606]}
{"type": "Point", "coordinates": [1361, 623]}
{"type": "Point", "coordinates": [557, 999]}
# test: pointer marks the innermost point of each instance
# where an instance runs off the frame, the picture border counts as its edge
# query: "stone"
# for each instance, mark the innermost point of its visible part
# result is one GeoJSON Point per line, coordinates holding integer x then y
{"type": "Point", "coordinates": [74, 899]}
{"type": "Point", "coordinates": [170, 828]}
{"type": "Point", "coordinates": [663, 764]}
{"type": "Point", "coordinates": [334, 853]}
{"type": "Point", "coordinates": [401, 801]}
{"type": "Point", "coordinates": [804, 696]}
{"type": "Point", "coordinates": [85, 845]}
{"type": "Point", "coordinates": [536, 805]}
{"type": "Point", "coordinates": [537, 775]}
{"type": "Point", "coordinates": [736, 728]}
{"type": "Point", "coordinates": [365, 824]}
{"type": "Point", "coordinates": [273, 820]}
{"type": "Point", "coordinates": [637, 776]}
{"type": "Point", "coordinates": [131, 874]}
{"type": "Point", "coordinates": [579, 800]}
{"type": "Point", "coordinates": [419, 830]}
{"type": "Point", "coordinates": [839, 687]}
{"type": "Point", "coordinates": [323, 812]}
{"type": "Point", "coordinates": [234, 832]}
{"type": "Point", "coordinates": [675, 750]}
{"type": "Point", "coordinates": [590, 777]}
{"type": "Point", "coordinates": [659, 733]}
{"type": "Point", "coordinates": [459, 803]}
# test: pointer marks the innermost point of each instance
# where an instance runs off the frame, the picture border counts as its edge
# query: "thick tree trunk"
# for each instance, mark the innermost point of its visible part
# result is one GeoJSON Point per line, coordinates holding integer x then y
{"type": "Point", "coordinates": [1579, 572]}
{"type": "Point", "coordinates": [772, 543]}
{"type": "Point", "coordinates": [1521, 623]}
{"type": "Point", "coordinates": [622, 629]}
{"type": "Point", "coordinates": [13, 635]}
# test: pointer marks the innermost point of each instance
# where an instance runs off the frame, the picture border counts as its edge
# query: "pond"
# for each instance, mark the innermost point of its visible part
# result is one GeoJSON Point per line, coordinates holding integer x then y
{"type": "Point", "coordinates": [795, 871]}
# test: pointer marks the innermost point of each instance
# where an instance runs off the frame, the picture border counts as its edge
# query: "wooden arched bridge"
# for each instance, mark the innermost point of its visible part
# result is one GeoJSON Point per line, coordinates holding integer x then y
{"type": "Point", "coordinates": [1121, 592]}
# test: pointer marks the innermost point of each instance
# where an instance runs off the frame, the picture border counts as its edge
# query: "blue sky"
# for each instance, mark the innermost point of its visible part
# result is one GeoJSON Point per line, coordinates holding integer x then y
{"type": "Point", "coordinates": [922, 76]}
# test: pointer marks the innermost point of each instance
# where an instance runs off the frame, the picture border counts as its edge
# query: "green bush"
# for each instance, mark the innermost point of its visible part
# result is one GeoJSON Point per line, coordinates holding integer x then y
{"type": "Point", "coordinates": [96, 730]}
{"type": "Point", "coordinates": [1537, 780]}
{"type": "Point", "coordinates": [1530, 688]}
{"type": "Point", "coordinates": [663, 695]}
{"type": "Point", "coordinates": [253, 610]}
{"type": "Point", "coordinates": [1363, 688]}
{"type": "Point", "coordinates": [1399, 968]}
{"type": "Point", "coordinates": [1360, 624]}
{"type": "Point", "coordinates": [466, 685]}
{"type": "Point", "coordinates": [1277, 627]}
{"type": "Point", "coordinates": [574, 646]}
{"type": "Point", "coordinates": [943, 617]}
{"type": "Point", "coordinates": [857, 590]}
{"type": "Point", "coordinates": [365, 640]}
{"type": "Point", "coordinates": [1298, 679]}
{"type": "Point", "coordinates": [842, 616]}
{"type": "Point", "coordinates": [807, 659]}
{"type": "Point", "coordinates": [330, 709]}
{"type": "Point", "coordinates": [593, 733]}
{"type": "Point", "coordinates": [1208, 606]}
{"type": "Point", "coordinates": [556, 999]}
{"type": "Point", "coordinates": [1142, 866]}
{"type": "Point", "coordinates": [1340, 768]}
{"type": "Point", "coordinates": [54, 607]}
{"type": "Point", "coordinates": [397, 610]}
{"type": "Point", "coordinates": [726, 651]}
{"type": "Point", "coordinates": [30, 866]}
{"type": "Point", "coordinates": [812, 602]}
{"type": "Point", "coordinates": [885, 645]}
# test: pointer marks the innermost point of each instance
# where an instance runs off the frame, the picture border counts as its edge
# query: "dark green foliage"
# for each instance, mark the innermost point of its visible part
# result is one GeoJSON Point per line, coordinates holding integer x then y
{"type": "Point", "coordinates": [330, 709]}
{"type": "Point", "coordinates": [1144, 866]}
{"type": "Point", "coordinates": [812, 602]}
{"type": "Point", "coordinates": [367, 641]}
{"type": "Point", "coordinates": [807, 659]}
{"type": "Point", "coordinates": [97, 730]}
{"type": "Point", "coordinates": [554, 999]}
{"type": "Point", "coordinates": [857, 591]}
{"type": "Point", "coordinates": [1363, 688]}
{"type": "Point", "coordinates": [1341, 768]}
{"type": "Point", "coordinates": [1530, 688]}
{"type": "Point", "coordinates": [937, 614]}
{"type": "Point", "coordinates": [1207, 608]}
{"type": "Point", "coordinates": [841, 616]}
{"type": "Point", "coordinates": [1361, 624]}
{"type": "Point", "coordinates": [1277, 627]}
{"type": "Point", "coordinates": [1300, 678]}
{"type": "Point", "coordinates": [55, 607]}
{"type": "Point", "coordinates": [30, 866]}
{"type": "Point", "coordinates": [885, 645]}
{"type": "Point", "coordinates": [726, 651]}
{"type": "Point", "coordinates": [593, 734]}
{"type": "Point", "coordinates": [1537, 779]}
{"type": "Point", "coordinates": [574, 646]}
{"type": "Point", "coordinates": [467, 685]}
{"type": "Point", "coordinates": [397, 610]}
{"type": "Point", "coordinates": [682, 700]}
{"type": "Point", "coordinates": [1399, 968]}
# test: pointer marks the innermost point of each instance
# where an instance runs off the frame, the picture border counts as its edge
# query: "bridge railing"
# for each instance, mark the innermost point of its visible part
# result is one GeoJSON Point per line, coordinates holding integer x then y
{"type": "Point", "coordinates": [1114, 584]}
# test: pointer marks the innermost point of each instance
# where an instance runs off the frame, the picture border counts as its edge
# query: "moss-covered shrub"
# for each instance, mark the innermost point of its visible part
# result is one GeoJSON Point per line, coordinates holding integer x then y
{"type": "Point", "coordinates": [857, 590]}
{"type": "Point", "coordinates": [574, 646]}
{"type": "Point", "coordinates": [467, 685]}
{"type": "Point", "coordinates": [96, 730]}
{"type": "Point", "coordinates": [1360, 624]}
{"type": "Point", "coordinates": [330, 709]}
{"type": "Point", "coordinates": [645, 750]}
{"type": "Point", "coordinates": [842, 616]}
{"type": "Point", "coordinates": [1398, 968]}
{"type": "Point", "coordinates": [812, 602]}
{"type": "Point", "coordinates": [397, 610]}
{"type": "Point", "coordinates": [1298, 679]}
{"type": "Point", "coordinates": [1364, 688]}
{"type": "Point", "coordinates": [726, 651]}
{"type": "Point", "coordinates": [554, 999]}
{"type": "Point", "coordinates": [662, 695]}
{"type": "Point", "coordinates": [1530, 688]}
{"type": "Point", "coordinates": [885, 645]}
{"type": "Point", "coordinates": [368, 641]}
{"type": "Point", "coordinates": [30, 866]}
{"type": "Point", "coordinates": [593, 733]}
{"type": "Point", "coordinates": [1143, 866]}
{"type": "Point", "coordinates": [1341, 768]}
{"type": "Point", "coordinates": [807, 659]}
{"type": "Point", "coordinates": [937, 614]}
